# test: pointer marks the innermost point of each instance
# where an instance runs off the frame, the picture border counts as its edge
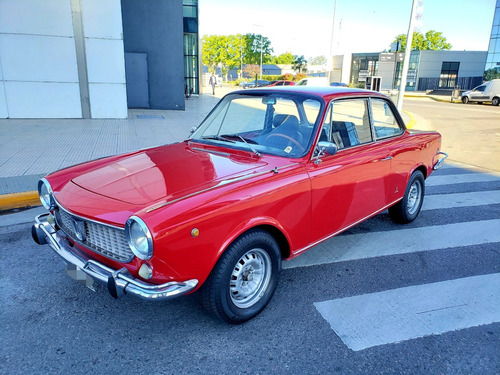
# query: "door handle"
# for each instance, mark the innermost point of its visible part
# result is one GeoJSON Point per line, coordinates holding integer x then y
{"type": "Point", "coordinates": [386, 158]}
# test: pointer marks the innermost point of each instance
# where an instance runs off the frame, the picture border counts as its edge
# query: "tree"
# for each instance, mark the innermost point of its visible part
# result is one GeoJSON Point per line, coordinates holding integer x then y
{"type": "Point", "coordinates": [285, 58]}
{"type": "Point", "coordinates": [251, 70]}
{"type": "Point", "coordinates": [433, 40]}
{"type": "Point", "coordinates": [252, 48]}
{"type": "Point", "coordinates": [221, 50]}
{"type": "Point", "coordinates": [300, 64]}
{"type": "Point", "coordinates": [318, 60]}
{"type": "Point", "coordinates": [492, 73]}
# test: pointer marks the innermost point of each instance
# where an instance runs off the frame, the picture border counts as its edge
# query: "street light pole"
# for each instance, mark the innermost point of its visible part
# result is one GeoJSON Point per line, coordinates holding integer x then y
{"type": "Point", "coordinates": [261, 56]}
{"type": "Point", "coordinates": [406, 61]}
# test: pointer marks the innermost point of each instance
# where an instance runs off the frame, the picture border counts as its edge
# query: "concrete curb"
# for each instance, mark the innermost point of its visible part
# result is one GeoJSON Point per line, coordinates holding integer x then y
{"type": "Point", "coordinates": [411, 123]}
{"type": "Point", "coordinates": [435, 98]}
{"type": "Point", "coordinates": [19, 200]}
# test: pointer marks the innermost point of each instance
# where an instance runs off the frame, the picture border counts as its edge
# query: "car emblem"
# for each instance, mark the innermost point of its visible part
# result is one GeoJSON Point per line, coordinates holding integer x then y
{"type": "Point", "coordinates": [79, 229]}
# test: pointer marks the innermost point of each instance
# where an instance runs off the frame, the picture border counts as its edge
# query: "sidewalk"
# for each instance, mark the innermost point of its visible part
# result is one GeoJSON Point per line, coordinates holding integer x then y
{"type": "Point", "coordinates": [32, 148]}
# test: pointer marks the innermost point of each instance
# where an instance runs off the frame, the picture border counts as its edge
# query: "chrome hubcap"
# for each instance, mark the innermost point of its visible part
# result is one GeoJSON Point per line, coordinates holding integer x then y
{"type": "Point", "coordinates": [414, 197]}
{"type": "Point", "coordinates": [250, 278]}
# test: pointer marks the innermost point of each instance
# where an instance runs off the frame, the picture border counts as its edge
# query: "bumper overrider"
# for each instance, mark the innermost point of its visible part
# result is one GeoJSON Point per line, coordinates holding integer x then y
{"type": "Point", "coordinates": [119, 282]}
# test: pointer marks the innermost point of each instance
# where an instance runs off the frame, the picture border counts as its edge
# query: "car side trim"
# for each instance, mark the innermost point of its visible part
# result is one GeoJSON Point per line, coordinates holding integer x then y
{"type": "Point", "coordinates": [222, 183]}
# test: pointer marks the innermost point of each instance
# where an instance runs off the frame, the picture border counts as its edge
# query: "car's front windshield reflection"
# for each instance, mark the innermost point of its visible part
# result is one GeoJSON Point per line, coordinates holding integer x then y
{"type": "Point", "coordinates": [279, 124]}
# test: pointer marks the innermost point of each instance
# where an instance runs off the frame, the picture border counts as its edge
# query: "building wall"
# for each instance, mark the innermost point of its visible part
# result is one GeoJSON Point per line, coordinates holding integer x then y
{"type": "Point", "coordinates": [493, 59]}
{"type": "Point", "coordinates": [38, 69]}
{"type": "Point", "coordinates": [155, 27]}
{"type": "Point", "coordinates": [471, 62]}
{"type": "Point", "coordinates": [40, 65]}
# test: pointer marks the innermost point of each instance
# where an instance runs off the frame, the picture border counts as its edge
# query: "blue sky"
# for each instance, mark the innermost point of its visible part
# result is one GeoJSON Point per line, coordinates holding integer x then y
{"type": "Point", "coordinates": [305, 27]}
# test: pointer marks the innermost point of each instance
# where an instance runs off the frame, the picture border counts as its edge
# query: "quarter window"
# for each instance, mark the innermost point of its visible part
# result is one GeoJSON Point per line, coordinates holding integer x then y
{"type": "Point", "coordinates": [384, 121]}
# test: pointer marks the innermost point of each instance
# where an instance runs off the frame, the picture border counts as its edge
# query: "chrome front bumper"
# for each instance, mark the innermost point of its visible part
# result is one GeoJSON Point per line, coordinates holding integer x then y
{"type": "Point", "coordinates": [119, 282]}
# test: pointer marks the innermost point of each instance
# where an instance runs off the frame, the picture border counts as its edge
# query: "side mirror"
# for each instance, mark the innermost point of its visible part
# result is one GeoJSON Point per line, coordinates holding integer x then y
{"type": "Point", "coordinates": [193, 129]}
{"type": "Point", "coordinates": [327, 148]}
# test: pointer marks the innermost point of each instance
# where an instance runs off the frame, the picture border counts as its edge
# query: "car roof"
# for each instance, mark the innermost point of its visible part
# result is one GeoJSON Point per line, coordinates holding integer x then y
{"type": "Point", "coordinates": [326, 92]}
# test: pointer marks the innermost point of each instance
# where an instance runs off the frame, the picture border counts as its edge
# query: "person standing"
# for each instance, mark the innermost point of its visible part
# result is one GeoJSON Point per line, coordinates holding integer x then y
{"type": "Point", "coordinates": [213, 82]}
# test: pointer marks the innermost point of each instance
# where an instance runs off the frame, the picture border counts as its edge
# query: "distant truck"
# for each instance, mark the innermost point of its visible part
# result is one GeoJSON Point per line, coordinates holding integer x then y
{"type": "Point", "coordinates": [487, 92]}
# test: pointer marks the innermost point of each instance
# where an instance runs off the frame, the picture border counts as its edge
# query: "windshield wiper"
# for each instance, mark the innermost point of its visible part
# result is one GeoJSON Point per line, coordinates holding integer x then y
{"type": "Point", "coordinates": [218, 138]}
{"type": "Point", "coordinates": [245, 141]}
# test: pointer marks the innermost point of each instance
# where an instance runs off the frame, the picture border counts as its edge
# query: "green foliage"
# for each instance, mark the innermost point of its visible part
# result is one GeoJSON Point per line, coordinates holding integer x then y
{"type": "Point", "coordinates": [432, 40]}
{"type": "Point", "coordinates": [493, 73]}
{"type": "Point", "coordinates": [272, 77]}
{"type": "Point", "coordinates": [318, 60]}
{"type": "Point", "coordinates": [252, 46]}
{"type": "Point", "coordinates": [300, 64]}
{"type": "Point", "coordinates": [221, 50]}
{"type": "Point", "coordinates": [285, 58]}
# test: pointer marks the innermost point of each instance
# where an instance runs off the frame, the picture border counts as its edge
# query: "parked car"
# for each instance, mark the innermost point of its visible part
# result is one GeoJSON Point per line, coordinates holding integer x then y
{"type": "Point", "coordinates": [266, 176]}
{"type": "Point", "coordinates": [252, 84]}
{"type": "Point", "coordinates": [314, 81]}
{"type": "Point", "coordinates": [487, 92]}
{"type": "Point", "coordinates": [281, 83]}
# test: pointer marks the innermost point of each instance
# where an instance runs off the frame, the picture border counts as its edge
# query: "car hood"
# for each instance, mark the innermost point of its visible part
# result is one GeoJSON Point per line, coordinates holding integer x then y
{"type": "Point", "coordinates": [167, 173]}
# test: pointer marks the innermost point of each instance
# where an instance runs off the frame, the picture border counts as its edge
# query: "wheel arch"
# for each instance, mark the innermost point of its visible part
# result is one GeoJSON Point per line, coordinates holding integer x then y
{"type": "Point", "coordinates": [269, 226]}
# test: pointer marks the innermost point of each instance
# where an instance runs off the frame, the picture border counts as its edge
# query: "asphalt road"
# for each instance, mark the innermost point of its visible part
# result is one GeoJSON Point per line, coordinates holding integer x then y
{"type": "Point", "coordinates": [381, 298]}
{"type": "Point", "coordinates": [471, 132]}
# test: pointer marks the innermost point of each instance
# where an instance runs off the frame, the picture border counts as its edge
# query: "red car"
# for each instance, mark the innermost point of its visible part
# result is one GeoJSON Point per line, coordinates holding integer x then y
{"type": "Point", "coordinates": [266, 176]}
{"type": "Point", "coordinates": [281, 83]}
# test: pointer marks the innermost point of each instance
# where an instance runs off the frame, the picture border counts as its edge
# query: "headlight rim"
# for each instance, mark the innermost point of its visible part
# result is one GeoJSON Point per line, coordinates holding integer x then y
{"type": "Point", "coordinates": [51, 204]}
{"type": "Point", "coordinates": [147, 233]}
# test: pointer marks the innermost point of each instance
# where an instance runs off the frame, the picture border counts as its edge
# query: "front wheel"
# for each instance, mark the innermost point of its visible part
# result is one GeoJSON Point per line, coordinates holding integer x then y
{"type": "Point", "coordinates": [495, 101]}
{"type": "Point", "coordinates": [408, 208]}
{"type": "Point", "coordinates": [244, 279]}
{"type": "Point", "coordinates": [465, 99]}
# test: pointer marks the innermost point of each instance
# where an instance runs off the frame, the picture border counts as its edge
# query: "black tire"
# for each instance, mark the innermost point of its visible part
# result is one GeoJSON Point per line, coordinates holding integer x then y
{"type": "Point", "coordinates": [465, 99]}
{"type": "Point", "coordinates": [408, 208]}
{"type": "Point", "coordinates": [495, 101]}
{"type": "Point", "coordinates": [244, 279]}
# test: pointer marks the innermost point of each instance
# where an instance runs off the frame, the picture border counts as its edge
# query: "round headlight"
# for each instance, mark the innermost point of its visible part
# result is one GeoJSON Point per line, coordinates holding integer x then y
{"type": "Point", "coordinates": [139, 238]}
{"type": "Point", "coordinates": [46, 195]}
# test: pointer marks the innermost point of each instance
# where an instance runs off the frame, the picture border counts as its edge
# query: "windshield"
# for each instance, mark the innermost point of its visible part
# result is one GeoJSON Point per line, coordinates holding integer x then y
{"type": "Point", "coordinates": [273, 123]}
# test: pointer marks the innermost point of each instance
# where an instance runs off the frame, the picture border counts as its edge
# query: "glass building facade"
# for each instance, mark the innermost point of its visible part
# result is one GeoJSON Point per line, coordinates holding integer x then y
{"type": "Point", "coordinates": [363, 65]}
{"type": "Point", "coordinates": [492, 68]}
{"type": "Point", "coordinates": [191, 63]}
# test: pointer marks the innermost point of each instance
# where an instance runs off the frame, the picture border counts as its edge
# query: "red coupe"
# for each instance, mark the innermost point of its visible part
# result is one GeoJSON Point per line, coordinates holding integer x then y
{"type": "Point", "coordinates": [266, 176]}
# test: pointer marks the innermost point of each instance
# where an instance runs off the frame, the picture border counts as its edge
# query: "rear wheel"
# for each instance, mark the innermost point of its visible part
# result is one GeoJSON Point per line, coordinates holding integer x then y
{"type": "Point", "coordinates": [465, 99]}
{"type": "Point", "coordinates": [244, 279]}
{"type": "Point", "coordinates": [408, 208]}
{"type": "Point", "coordinates": [495, 101]}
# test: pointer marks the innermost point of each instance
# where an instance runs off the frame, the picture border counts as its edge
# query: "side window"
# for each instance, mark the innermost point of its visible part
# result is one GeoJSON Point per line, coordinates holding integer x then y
{"type": "Point", "coordinates": [350, 125]}
{"type": "Point", "coordinates": [384, 121]}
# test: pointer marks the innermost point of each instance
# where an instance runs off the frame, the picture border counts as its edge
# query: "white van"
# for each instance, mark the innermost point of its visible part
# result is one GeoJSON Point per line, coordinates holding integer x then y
{"type": "Point", "coordinates": [487, 92]}
{"type": "Point", "coordinates": [314, 81]}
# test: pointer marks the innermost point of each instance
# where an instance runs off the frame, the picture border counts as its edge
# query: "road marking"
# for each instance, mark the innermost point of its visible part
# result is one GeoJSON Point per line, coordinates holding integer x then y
{"type": "Point", "coordinates": [476, 198]}
{"type": "Point", "coordinates": [460, 179]}
{"type": "Point", "coordinates": [407, 313]}
{"type": "Point", "coordinates": [402, 241]}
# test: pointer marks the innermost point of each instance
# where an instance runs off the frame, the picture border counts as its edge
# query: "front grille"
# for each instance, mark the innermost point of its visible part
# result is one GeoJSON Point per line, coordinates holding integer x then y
{"type": "Point", "coordinates": [102, 239]}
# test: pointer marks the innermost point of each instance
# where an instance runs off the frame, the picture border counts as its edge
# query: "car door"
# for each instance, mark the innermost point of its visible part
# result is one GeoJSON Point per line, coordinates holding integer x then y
{"type": "Point", "coordinates": [350, 185]}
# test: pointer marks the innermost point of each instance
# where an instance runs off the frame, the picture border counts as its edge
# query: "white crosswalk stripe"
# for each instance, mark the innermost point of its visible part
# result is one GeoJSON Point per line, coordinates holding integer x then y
{"type": "Point", "coordinates": [461, 179]}
{"type": "Point", "coordinates": [428, 309]}
{"type": "Point", "coordinates": [476, 198]}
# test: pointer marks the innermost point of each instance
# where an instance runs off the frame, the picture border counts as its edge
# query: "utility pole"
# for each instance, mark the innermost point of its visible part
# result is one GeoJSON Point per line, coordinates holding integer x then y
{"type": "Point", "coordinates": [406, 62]}
{"type": "Point", "coordinates": [330, 57]}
